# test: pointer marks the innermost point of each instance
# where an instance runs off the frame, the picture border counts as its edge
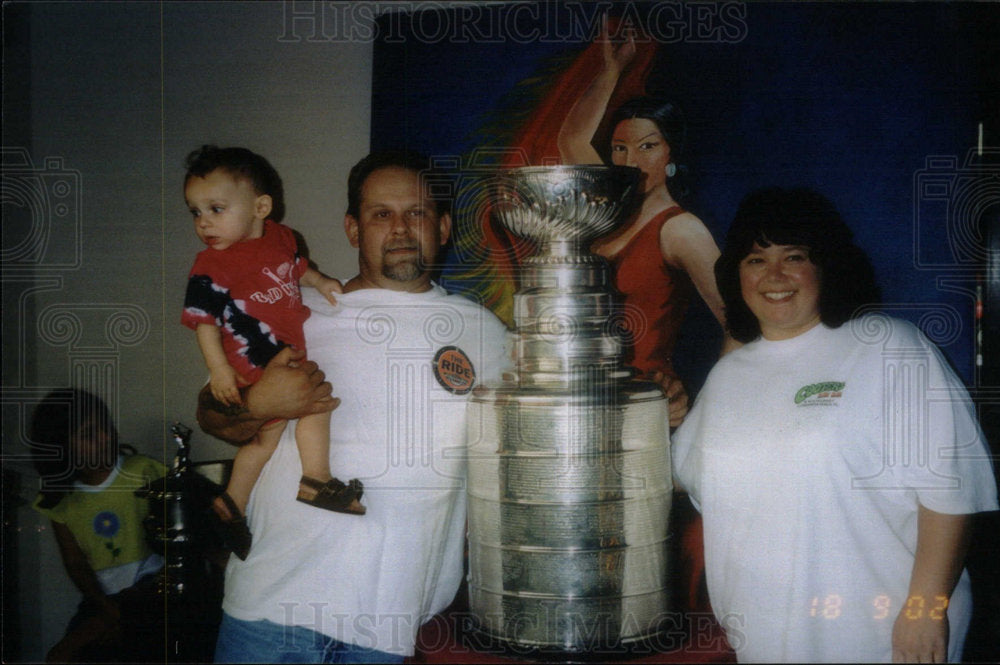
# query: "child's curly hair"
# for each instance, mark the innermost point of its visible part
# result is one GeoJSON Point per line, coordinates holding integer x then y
{"type": "Point", "coordinates": [240, 163]}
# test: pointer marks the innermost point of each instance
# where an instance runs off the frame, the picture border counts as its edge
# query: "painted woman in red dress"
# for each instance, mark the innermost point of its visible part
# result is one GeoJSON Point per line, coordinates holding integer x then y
{"type": "Point", "coordinates": [660, 257]}
{"type": "Point", "coordinates": [663, 253]}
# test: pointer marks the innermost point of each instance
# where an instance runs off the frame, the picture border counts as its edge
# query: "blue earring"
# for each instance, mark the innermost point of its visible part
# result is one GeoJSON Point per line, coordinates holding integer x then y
{"type": "Point", "coordinates": [671, 170]}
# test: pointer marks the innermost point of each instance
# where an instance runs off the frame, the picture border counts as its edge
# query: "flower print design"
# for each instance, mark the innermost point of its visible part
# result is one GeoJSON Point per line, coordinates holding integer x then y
{"type": "Point", "coordinates": [106, 524]}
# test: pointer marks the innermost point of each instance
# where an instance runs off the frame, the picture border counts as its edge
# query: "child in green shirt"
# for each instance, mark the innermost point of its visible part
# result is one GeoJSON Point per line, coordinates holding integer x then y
{"type": "Point", "coordinates": [88, 493]}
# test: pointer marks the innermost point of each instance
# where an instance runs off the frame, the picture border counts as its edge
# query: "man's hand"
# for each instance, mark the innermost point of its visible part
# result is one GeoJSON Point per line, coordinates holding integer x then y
{"type": "Point", "coordinates": [677, 405]}
{"type": "Point", "coordinates": [289, 387]}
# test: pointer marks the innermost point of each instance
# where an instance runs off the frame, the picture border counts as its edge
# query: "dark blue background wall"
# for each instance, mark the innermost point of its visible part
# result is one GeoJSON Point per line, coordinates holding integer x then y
{"type": "Point", "coordinates": [876, 105]}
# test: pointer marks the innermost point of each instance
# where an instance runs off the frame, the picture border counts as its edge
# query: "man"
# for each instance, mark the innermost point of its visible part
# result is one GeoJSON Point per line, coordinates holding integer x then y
{"type": "Point", "coordinates": [402, 354]}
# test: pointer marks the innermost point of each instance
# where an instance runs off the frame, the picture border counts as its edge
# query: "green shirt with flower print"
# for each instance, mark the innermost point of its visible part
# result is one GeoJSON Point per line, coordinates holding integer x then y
{"type": "Point", "coordinates": [106, 519]}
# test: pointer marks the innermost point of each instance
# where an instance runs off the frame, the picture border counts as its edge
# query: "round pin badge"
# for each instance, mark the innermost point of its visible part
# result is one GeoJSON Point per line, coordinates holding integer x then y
{"type": "Point", "coordinates": [454, 370]}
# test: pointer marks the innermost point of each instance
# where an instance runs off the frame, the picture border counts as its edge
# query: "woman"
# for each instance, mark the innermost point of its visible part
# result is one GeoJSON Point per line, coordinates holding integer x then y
{"type": "Point", "coordinates": [656, 256]}
{"type": "Point", "coordinates": [662, 250]}
{"type": "Point", "coordinates": [824, 455]}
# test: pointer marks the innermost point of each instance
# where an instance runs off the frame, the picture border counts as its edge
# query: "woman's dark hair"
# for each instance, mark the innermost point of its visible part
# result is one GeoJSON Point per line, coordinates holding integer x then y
{"type": "Point", "coordinates": [795, 216]}
{"type": "Point", "coordinates": [669, 119]}
{"type": "Point", "coordinates": [240, 163]}
{"type": "Point", "coordinates": [56, 419]}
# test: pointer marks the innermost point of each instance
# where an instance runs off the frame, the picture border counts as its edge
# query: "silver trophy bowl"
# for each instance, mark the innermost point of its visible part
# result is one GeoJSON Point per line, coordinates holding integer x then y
{"type": "Point", "coordinates": [569, 466]}
{"type": "Point", "coordinates": [564, 203]}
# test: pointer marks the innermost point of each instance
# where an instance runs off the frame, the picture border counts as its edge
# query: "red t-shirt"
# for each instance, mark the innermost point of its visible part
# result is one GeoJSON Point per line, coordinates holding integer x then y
{"type": "Point", "coordinates": [250, 290]}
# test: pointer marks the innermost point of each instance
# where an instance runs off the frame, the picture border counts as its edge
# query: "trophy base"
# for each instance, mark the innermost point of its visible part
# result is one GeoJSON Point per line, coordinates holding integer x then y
{"type": "Point", "coordinates": [569, 507]}
{"type": "Point", "coordinates": [670, 634]}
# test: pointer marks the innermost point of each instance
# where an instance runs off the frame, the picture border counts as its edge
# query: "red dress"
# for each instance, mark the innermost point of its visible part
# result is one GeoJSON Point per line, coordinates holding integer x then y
{"type": "Point", "coordinates": [656, 296]}
{"type": "Point", "coordinates": [655, 299]}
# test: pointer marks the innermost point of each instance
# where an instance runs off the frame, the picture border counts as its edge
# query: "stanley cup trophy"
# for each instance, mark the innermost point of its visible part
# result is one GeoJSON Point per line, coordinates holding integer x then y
{"type": "Point", "coordinates": [569, 464]}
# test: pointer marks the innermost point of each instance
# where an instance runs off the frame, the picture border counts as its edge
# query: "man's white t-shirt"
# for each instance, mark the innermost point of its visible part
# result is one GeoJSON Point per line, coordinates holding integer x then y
{"type": "Point", "coordinates": [807, 458]}
{"type": "Point", "coordinates": [402, 364]}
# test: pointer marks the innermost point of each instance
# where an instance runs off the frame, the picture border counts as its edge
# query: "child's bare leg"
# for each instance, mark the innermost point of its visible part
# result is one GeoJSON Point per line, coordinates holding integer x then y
{"type": "Point", "coordinates": [247, 465]}
{"type": "Point", "coordinates": [312, 435]}
{"type": "Point", "coordinates": [232, 504]}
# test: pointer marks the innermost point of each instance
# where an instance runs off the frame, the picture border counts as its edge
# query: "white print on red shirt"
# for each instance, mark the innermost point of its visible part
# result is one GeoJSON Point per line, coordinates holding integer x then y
{"type": "Point", "coordinates": [285, 286]}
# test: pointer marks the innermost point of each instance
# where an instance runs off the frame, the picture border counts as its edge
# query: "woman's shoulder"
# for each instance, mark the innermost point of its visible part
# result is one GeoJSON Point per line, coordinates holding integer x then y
{"type": "Point", "coordinates": [677, 224]}
{"type": "Point", "coordinates": [676, 220]}
{"type": "Point", "coordinates": [684, 236]}
{"type": "Point", "coordinates": [732, 364]}
{"type": "Point", "coordinates": [884, 332]}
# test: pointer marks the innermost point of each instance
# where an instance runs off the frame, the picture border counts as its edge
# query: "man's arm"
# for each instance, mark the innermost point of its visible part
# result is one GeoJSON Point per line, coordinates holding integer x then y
{"type": "Point", "coordinates": [288, 388]}
{"type": "Point", "coordinates": [677, 397]}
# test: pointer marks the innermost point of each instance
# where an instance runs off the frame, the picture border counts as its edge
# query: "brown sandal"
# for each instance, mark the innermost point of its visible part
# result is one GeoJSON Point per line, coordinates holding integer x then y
{"type": "Point", "coordinates": [233, 532]}
{"type": "Point", "coordinates": [335, 495]}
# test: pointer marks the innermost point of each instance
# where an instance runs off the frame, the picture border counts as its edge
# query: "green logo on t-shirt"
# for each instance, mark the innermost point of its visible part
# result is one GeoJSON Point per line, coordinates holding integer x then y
{"type": "Point", "coordinates": [826, 389]}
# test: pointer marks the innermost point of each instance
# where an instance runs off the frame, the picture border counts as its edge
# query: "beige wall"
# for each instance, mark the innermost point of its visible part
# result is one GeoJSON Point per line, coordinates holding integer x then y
{"type": "Point", "coordinates": [99, 242]}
